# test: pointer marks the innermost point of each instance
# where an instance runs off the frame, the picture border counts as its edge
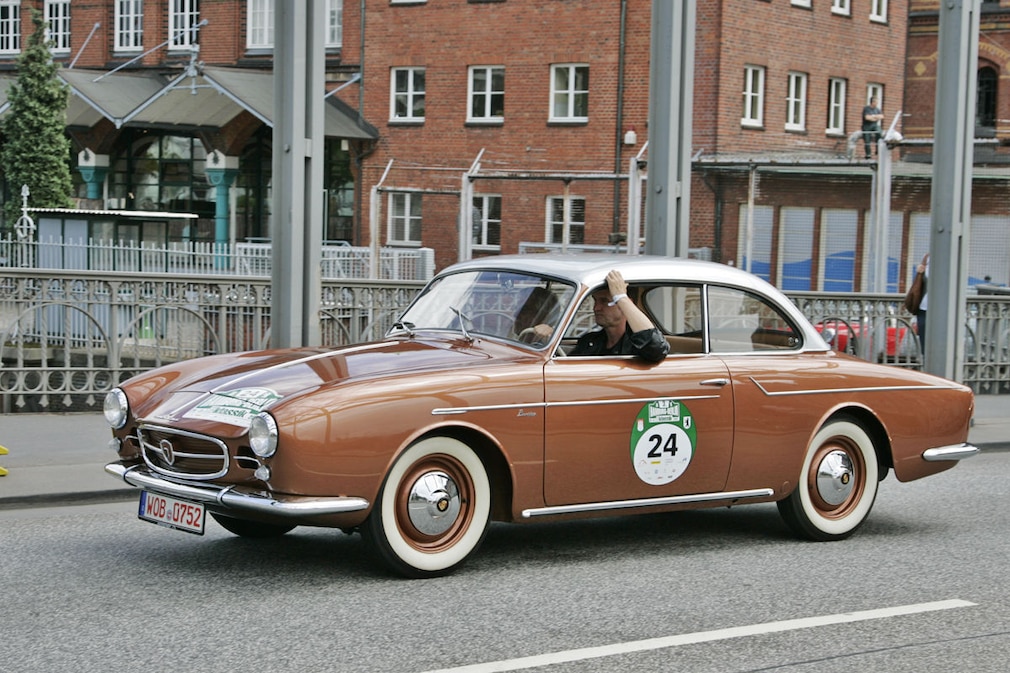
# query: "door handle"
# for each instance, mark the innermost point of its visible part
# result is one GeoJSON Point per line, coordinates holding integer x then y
{"type": "Point", "coordinates": [715, 382]}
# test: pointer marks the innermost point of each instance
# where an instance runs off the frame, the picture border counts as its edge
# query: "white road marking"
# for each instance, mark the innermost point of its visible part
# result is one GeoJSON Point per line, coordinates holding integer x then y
{"type": "Point", "coordinates": [701, 637]}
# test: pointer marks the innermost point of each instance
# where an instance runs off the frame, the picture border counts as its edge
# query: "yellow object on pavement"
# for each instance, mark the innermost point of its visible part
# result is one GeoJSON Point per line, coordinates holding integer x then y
{"type": "Point", "coordinates": [3, 452]}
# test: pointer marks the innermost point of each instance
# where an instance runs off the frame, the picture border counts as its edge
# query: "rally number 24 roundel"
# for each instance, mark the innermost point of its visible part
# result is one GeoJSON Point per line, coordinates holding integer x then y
{"type": "Point", "coordinates": [662, 441]}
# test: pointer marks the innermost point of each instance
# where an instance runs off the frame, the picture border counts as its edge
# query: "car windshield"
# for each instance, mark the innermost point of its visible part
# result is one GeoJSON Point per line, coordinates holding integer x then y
{"type": "Point", "coordinates": [513, 306]}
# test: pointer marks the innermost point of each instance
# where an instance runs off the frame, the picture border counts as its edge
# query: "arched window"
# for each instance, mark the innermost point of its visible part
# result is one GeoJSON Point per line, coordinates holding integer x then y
{"type": "Point", "coordinates": [985, 102]}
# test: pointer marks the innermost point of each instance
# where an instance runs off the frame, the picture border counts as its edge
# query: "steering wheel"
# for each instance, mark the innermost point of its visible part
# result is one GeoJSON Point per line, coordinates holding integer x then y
{"type": "Point", "coordinates": [527, 336]}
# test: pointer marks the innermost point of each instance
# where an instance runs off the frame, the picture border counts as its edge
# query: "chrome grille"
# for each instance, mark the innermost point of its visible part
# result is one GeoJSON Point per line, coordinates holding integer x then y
{"type": "Point", "coordinates": [183, 454]}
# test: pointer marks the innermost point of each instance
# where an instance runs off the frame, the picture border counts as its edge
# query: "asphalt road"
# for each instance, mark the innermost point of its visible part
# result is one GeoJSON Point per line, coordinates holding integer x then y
{"type": "Point", "coordinates": [920, 588]}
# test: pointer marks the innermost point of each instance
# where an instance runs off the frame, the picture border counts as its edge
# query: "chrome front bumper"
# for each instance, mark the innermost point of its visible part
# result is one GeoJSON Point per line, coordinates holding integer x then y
{"type": "Point", "coordinates": [952, 452]}
{"type": "Point", "coordinates": [230, 497]}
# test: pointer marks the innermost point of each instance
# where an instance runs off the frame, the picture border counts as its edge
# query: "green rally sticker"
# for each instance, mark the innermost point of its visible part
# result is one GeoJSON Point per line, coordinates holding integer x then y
{"type": "Point", "coordinates": [662, 441]}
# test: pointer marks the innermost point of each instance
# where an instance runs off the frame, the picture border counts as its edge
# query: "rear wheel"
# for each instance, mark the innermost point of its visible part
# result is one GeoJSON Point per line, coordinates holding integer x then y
{"type": "Point", "coordinates": [837, 486]}
{"type": "Point", "coordinates": [433, 509]}
{"type": "Point", "coordinates": [247, 528]}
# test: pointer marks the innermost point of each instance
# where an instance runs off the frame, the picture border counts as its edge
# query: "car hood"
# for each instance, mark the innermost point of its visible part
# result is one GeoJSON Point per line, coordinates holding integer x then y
{"type": "Point", "coordinates": [232, 388]}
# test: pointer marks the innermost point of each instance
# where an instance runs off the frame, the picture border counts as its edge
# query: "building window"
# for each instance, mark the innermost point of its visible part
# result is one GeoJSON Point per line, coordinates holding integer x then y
{"type": "Point", "coordinates": [753, 96]}
{"type": "Point", "coordinates": [487, 94]}
{"type": "Point", "coordinates": [556, 206]}
{"type": "Point", "coordinates": [260, 21]}
{"type": "Point", "coordinates": [334, 23]}
{"type": "Point", "coordinates": [260, 24]}
{"type": "Point", "coordinates": [406, 99]}
{"type": "Point", "coordinates": [57, 13]}
{"type": "Point", "coordinates": [487, 221]}
{"type": "Point", "coordinates": [985, 102]}
{"type": "Point", "coordinates": [837, 263]}
{"type": "Point", "coordinates": [801, 3]}
{"type": "Point", "coordinates": [129, 25]}
{"type": "Point", "coordinates": [874, 90]}
{"type": "Point", "coordinates": [796, 245]}
{"type": "Point", "coordinates": [878, 11]}
{"type": "Point", "coordinates": [842, 7]}
{"type": "Point", "coordinates": [10, 26]}
{"type": "Point", "coordinates": [183, 15]}
{"type": "Point", "coordinates": [569, 93]}
{"type": "Point", "coordinates": [796, 102]}
{"type": "Point", "coordinates": [836, 106]}
{"type": "Point", "coordinates": [404, 219]}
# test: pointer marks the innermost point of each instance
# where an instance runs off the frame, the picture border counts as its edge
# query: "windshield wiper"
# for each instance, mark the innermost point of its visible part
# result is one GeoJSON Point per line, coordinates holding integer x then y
{"type": "Point", "coordinates": [407, 327]}
{"type": "Point", "coordinates": [462, 319]}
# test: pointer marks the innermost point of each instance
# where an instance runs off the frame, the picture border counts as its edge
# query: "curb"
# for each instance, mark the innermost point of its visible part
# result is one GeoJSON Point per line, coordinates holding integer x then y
{"type": "Point", "coordinates": [63, 499]}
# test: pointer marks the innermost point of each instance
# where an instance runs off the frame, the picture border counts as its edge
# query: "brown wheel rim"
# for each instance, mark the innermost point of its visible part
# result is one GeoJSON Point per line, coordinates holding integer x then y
{"type": "Point", "coordinates": [434, 503]}
{"type": "Point", "coordinates": [836, 479]}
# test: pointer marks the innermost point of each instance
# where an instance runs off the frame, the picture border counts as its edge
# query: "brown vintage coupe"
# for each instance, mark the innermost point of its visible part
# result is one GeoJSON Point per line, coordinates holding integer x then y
{"type": "Point", "coordinates": [459, 417]}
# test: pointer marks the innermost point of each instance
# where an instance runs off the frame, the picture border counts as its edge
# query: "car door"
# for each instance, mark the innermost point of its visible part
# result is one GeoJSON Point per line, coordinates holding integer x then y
{"type": "Point", "coordinates": [620, 428]}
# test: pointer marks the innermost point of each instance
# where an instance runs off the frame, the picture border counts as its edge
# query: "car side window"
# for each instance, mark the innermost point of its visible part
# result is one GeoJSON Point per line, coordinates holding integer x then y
{"type": "Point", "coordinates": [677, 311]}
{"type": "Point", "coordinates": [741, 322]}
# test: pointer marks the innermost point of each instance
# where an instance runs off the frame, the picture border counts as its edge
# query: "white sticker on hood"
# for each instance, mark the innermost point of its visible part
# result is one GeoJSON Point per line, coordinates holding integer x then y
{"type": "Point", "coordinates": [236, 407]}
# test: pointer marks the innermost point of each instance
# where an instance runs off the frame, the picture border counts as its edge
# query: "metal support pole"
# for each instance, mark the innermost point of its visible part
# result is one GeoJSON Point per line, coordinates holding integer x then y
{"type": "Point", "coordinates": [953, 153]}
{"type": "Point", "coordinates": [671, 93]}
{"type": "Point", "coordinates": [296, 229]}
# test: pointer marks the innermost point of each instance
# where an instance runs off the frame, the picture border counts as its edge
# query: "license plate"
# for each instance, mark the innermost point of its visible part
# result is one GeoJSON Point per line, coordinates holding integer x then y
{"type": "Point", "coordinates": [173, 513]}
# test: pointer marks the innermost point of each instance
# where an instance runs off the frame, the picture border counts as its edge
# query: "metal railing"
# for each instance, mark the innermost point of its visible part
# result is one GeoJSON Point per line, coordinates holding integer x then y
{"type": "Point", "coordinates": [67, 337]}
{"type": "Point", "coordinates": [207, 258]}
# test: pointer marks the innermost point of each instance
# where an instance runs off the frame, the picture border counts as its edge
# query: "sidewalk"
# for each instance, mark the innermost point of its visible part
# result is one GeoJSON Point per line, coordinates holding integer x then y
{"type": "Point", "coordinates": [58, 459]}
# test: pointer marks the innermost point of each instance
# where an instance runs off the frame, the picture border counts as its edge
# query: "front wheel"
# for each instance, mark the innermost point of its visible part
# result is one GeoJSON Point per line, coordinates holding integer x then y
{"type": "Point", "coordinates": [433, 509]}
{"type": "Point", "coordinates": [837, 486]}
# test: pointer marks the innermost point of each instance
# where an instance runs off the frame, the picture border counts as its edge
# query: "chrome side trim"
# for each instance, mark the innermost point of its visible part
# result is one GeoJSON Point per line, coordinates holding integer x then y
{"type": "Point", "coordinates": [952, 452]}
{"type": "Point", "coordinates": [828, 391]}
{"type": "Point", "coordinates": [227, 496]}
{"type": "Point", "coordinates": [447, 411]}
{"type": "Point", "coordinates": [648, 502]}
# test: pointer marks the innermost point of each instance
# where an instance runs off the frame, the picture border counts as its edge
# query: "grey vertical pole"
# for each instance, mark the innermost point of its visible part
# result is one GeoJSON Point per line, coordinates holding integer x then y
{"type": "Point", "coordinates": [671, 93]}
{"type": "Point", "coordinates": [297, 187]}
{"type": "Point", "coordinates": [951, 195]}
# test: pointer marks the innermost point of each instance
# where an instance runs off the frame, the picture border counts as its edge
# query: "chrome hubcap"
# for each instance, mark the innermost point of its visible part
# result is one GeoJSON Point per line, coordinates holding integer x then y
{"type": "Point", "coordinates": [434, 503]}
{"type": "Point", "coordinates": [835, 478]}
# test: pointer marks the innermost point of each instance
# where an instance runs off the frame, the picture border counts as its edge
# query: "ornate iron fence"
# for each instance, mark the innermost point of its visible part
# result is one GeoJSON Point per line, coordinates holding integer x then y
{"type": "Point", "coordinates": [68, 337]}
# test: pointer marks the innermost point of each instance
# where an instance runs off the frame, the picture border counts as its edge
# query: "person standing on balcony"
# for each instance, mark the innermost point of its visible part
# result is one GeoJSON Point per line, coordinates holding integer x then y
{"type": "Point", "coordinates": [872, 117]}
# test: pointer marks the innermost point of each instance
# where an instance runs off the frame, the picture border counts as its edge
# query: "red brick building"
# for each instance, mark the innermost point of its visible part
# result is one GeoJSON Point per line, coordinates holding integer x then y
{"type": "Point", "coordinates": [515, 121]}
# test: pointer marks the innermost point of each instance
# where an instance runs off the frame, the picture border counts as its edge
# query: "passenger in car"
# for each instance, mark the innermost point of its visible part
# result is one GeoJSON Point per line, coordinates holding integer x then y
{"type": "Point", "coordinates": [626, 330]}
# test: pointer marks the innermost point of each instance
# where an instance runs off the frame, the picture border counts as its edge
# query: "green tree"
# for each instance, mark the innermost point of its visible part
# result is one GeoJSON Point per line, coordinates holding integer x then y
{"type": "Point", "coordinates": [36, 150]}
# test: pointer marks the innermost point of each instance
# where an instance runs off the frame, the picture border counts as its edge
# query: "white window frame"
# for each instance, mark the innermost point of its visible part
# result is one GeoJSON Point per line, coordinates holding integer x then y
{"type": "Point", "coordinates": [837, 90]}
{"type": "Point", "coordinates": [753, 96]}
{"type": "Point", "coordinates": [57, 15]}
{"type": "Point", "coordinates": [10, 26]}
{"type": "Point", "coordinates": [259, 24]}
{"type": "Point", "coordinates": [406, 222]}
{"type": "Point", "coordinates": [182, 16]}
{"type": "Point", "coordinates": [129, 25]}
{"type": "Point", "coordinates": [334, 24]}
{"type": "Point", "coordinates": [488, 93]}
{"type": "Point", "coordinates": [841, 7]}
{"type": "Point", "coordinates": [796, 101]}
{"type": "Point", "coordinates": [482, 224]}
{"type": "Point", "coordinates": [564, 101]}
{"type": "Point", "coordinates": [573, 224]}
{"type": "Point", "coordinates": [414, 91]}
{"type": "Point", "coordinates": [875, 90]}
{"type": "Point", "coordinates": [878, 11]}
{"type": "Point", "coordinates": [801, 3]}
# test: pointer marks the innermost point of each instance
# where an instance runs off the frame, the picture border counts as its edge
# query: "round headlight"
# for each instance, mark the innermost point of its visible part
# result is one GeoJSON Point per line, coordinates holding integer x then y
{"type": "Point", "coordinates": [263, 435]}
{"type": "Point", "coordinates": [116, 408]}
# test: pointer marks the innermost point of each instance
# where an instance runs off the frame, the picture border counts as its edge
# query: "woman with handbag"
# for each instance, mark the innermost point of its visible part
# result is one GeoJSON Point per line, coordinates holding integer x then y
{"type": "Point", "coordinates": [916, 301]}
